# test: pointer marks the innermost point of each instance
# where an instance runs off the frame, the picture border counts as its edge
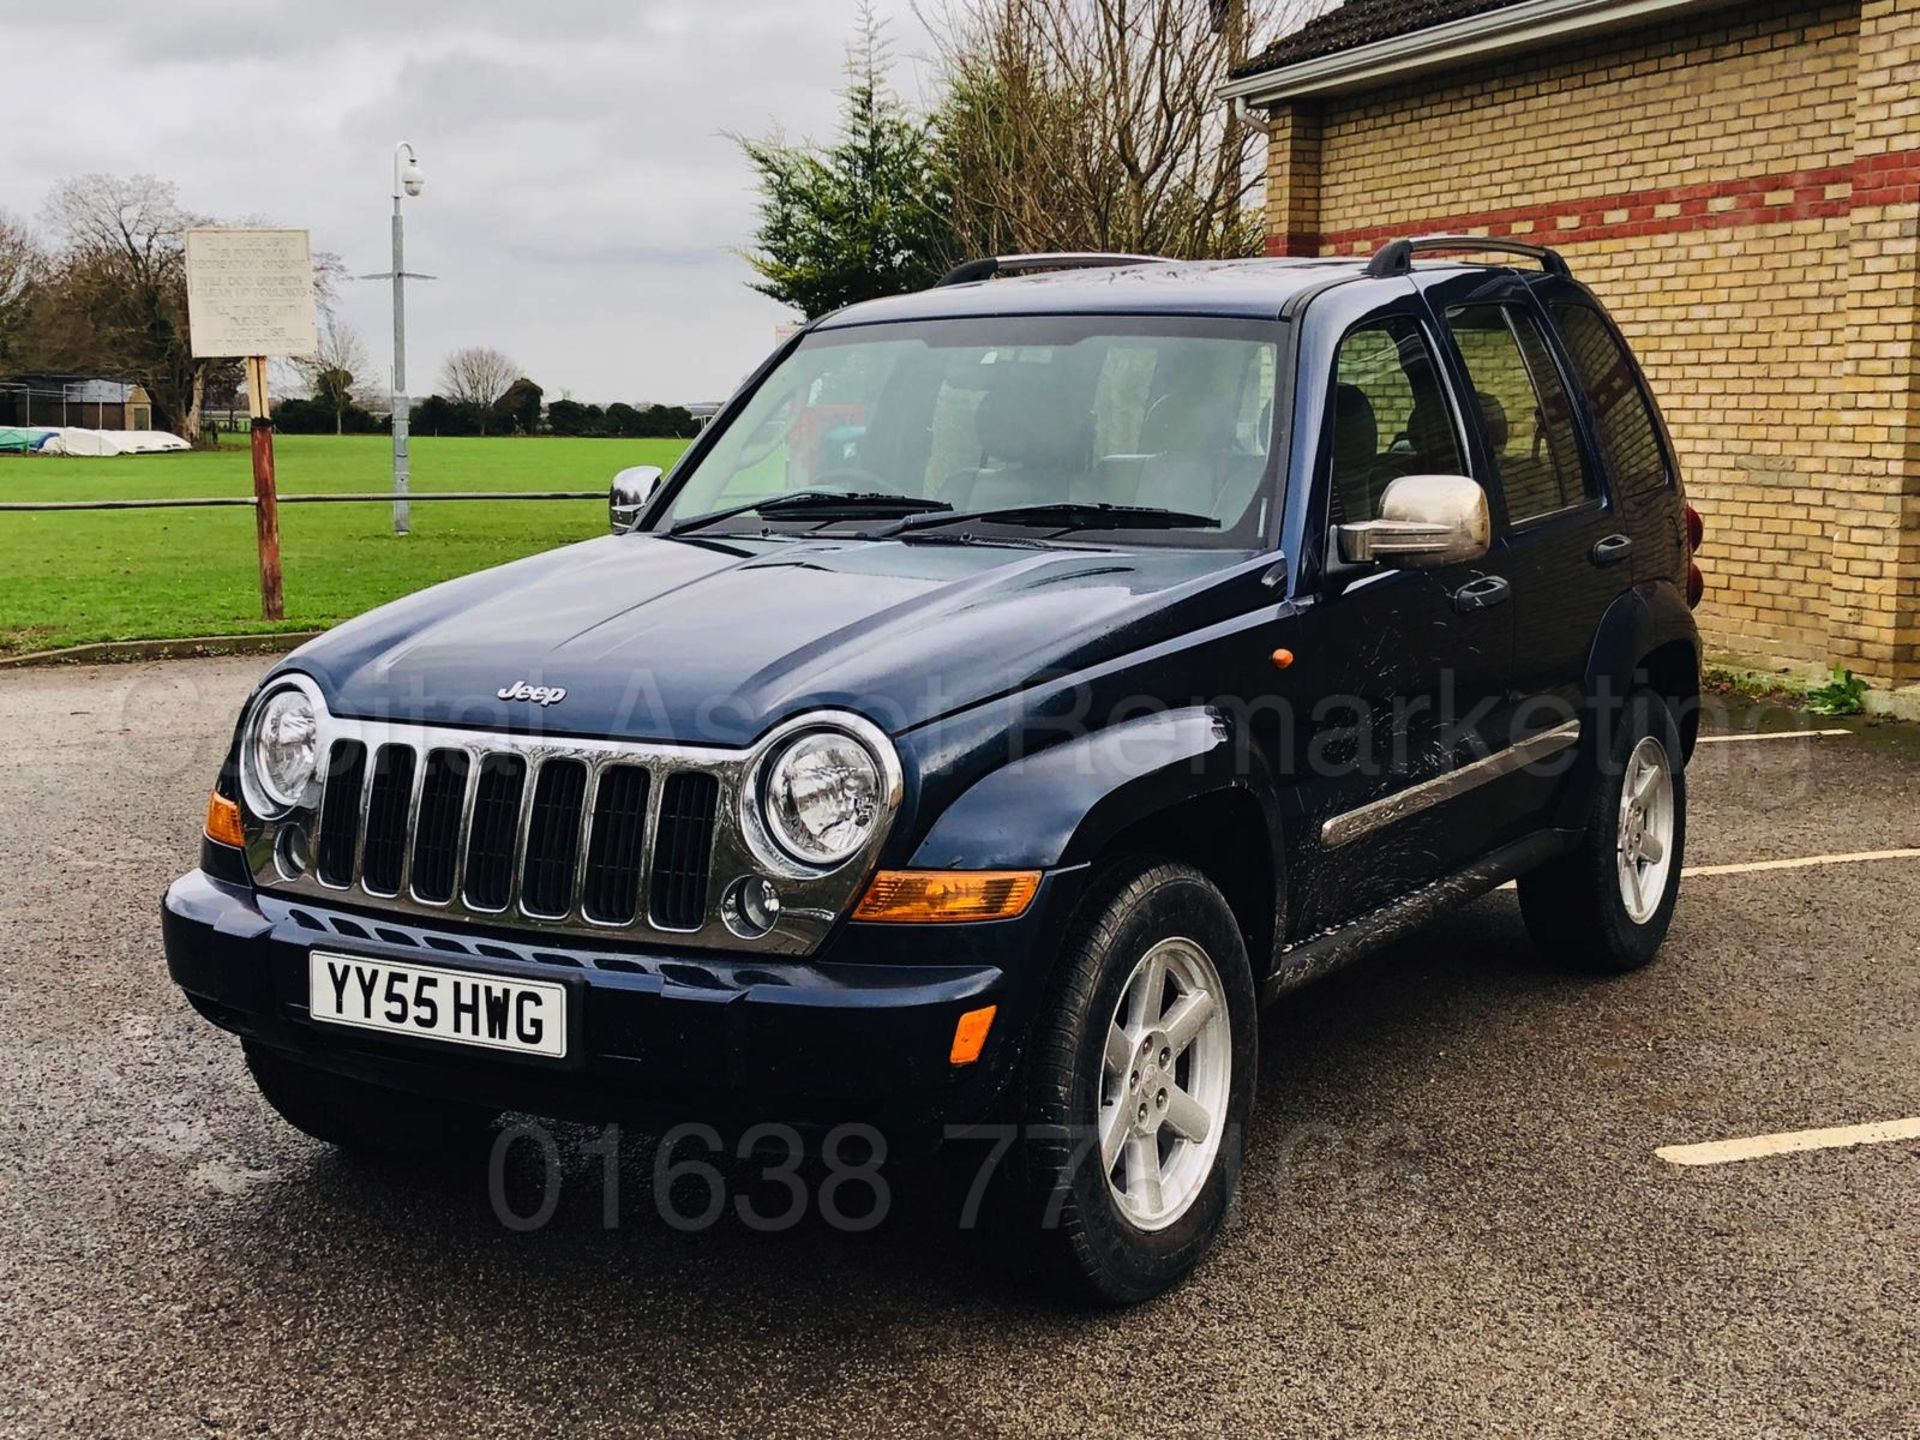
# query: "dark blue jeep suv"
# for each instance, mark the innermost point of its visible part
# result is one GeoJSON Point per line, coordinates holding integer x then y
{"type": "Point", "coordinates": [1015, 686]}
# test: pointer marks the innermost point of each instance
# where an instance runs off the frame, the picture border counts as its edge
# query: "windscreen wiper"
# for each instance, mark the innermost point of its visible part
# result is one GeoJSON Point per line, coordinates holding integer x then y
{"type": "Point", "coordinates": [1061, 516]}
{"type": "Point", "coordinates": [818, 505]}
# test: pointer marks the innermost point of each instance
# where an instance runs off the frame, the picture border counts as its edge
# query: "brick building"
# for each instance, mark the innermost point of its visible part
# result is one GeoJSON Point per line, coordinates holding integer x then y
{"type": "Point", "coordinates": [1739, 182]}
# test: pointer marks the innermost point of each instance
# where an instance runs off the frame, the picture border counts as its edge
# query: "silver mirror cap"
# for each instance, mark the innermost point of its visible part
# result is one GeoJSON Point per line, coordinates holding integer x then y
{"type": "Point", "coordinates": [632, 488]}
{"type": "Point", "coordinates": [1425, 521]}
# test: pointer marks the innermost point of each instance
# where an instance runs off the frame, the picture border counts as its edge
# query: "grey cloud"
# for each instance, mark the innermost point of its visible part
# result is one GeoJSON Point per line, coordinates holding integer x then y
{"type": "Point", "coordinates": [583, 201]}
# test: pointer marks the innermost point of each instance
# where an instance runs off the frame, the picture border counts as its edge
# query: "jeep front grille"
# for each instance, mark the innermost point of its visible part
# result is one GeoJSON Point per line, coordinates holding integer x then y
{"type": "Point", "coordinates": [580, 836]}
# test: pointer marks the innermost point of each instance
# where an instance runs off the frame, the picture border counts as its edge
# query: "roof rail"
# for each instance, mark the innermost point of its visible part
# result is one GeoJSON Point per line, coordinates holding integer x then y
{"type": "Point", "coordinates": [1396, 256]}
{"type": "Point", "coordinates": [992, 265]}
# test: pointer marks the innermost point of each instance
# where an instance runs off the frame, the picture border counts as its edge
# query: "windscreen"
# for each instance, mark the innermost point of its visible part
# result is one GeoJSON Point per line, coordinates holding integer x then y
{"type": "Point", "coordinates": [983, 414]}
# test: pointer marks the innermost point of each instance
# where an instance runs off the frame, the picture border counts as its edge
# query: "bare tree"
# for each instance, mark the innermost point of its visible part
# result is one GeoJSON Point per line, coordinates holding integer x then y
{"type": "Point", "coordinates": [120, 283]}
{"type": "Point", "coordinates": [337, 364]}
{"type": "Point", "coordinates": [1097, 124]}
{"type": "Point", "coordinates": [477, 376]}
{"type": "Point", "coordinates": [23, 269]}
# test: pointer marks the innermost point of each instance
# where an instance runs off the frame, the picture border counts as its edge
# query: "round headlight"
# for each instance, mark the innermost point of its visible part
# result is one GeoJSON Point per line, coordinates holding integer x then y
{"type": "Point", "coordinates": [280, 752]}
{"type": "Point", "coordinates": [823, 797]}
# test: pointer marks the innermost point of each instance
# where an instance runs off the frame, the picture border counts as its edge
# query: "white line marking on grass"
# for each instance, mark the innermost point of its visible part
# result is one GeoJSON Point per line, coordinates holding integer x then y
{"type": "Point", "coordinates": [1754, 1147]}
{"type": "Point", "coordinates": [1771, 735]}
{"type": "Point", "coordinates": [1801, 862]}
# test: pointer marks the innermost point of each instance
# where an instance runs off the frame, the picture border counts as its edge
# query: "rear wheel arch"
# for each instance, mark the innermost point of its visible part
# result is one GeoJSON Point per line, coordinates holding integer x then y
{"type": "Point", "coordinates": [1672, 672]}
{"type": "Point", "coordinates": [1648, 639]}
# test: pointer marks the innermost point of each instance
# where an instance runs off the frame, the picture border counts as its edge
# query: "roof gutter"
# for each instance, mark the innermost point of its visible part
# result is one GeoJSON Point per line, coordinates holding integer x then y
{"type": "Point", "coordinates": [1515, 27]}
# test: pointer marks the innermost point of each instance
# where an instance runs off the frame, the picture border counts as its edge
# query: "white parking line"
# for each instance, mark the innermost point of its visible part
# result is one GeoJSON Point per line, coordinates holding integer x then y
{"type": "Point", "coordinates": [1800, 862]}
{"type": "Point", "coordinates": [1771, 735]}
{"type": "Point", "coordinates": [1753, 1147]}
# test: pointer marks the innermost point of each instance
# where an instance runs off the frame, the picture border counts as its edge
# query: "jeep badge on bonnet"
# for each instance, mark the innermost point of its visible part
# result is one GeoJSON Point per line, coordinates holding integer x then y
{"type": "Point", "coordinates": [538, 694]}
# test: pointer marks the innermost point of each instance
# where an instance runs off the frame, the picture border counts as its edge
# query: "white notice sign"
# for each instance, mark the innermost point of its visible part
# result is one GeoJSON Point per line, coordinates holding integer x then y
{"type": "Point", "coordinates": [250, 292]}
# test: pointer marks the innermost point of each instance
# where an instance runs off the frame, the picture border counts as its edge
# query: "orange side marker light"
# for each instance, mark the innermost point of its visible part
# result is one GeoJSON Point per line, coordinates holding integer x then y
{"type": "Point", "coordinates": [1282, 659]}
{"type": "Point", "coordinates": [970, 1035]}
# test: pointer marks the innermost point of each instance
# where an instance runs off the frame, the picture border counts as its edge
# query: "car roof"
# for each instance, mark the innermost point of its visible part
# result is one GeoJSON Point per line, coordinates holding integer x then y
{"type": "Point", "coordinates": [1248, 289]}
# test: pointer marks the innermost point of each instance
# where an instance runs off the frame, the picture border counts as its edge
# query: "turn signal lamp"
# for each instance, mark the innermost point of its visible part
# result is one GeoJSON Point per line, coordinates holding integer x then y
{"type": "Point", "coordinates": [223, 821]}
{"type": "Point", "coordinates": [942, 896]}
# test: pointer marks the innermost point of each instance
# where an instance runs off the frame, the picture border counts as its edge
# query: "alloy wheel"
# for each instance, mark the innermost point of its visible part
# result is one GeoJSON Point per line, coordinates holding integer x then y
{"type": "Point", "coordinates": [1646, 829]}
{"type": "Point", "coordinates": [1164, 1084]}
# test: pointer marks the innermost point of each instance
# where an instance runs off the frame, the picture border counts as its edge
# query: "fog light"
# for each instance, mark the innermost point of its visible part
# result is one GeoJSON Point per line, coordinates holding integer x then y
{"type": "Point", "coordinates": [751, 907]}
{"type": "Point", "coordinates": [290, 856]}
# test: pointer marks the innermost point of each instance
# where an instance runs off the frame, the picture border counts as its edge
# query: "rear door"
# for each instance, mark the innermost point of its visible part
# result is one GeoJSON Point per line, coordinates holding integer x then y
{"type": "Point", "coordinates": [1568, 552]}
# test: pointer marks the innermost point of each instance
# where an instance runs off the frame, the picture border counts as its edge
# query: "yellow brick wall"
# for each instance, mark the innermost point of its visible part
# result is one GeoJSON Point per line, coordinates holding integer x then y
{"type": "Point", "coordinates": [1698, 175]}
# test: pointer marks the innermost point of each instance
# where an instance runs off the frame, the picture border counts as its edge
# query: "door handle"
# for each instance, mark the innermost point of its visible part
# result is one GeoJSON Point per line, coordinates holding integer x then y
{"type": "Point", "coordinates": [1612, 550]}
{"type": "Point", "coordinates": [1482, 594]}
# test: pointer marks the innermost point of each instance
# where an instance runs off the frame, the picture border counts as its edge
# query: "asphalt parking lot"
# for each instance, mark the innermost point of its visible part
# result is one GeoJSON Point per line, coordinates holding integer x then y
{"type": "Point", "coordinates": [1452, 1220]}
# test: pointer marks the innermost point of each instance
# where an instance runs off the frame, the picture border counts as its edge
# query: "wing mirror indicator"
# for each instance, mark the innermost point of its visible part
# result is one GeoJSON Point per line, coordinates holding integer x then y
{"type": "Point", "coordinates": [1425, 521]}
{"type": "Point", "coordinates": [632, 488]}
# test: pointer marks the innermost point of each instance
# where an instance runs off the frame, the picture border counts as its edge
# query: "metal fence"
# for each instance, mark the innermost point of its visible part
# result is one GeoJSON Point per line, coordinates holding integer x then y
{"type": "Point", "coordinates": [383, 498]}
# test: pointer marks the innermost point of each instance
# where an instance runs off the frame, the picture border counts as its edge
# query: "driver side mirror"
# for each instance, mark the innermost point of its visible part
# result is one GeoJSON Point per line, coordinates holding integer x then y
{"type": "Point", "coordinates": [632, 488]}
{"type": "Point", "coordinates": [1425, 521]}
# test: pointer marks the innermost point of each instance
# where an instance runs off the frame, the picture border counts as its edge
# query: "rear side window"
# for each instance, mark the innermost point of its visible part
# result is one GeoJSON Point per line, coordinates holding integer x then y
{"type": "Point", "coordinates": [1390, 416]}
{"type": "Point", "coordinates": [1524, 410]}
{"type": "Point", "coordinates": [1622, 416]}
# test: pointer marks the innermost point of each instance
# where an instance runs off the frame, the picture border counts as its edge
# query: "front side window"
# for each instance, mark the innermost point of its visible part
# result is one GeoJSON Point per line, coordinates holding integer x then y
{"type": "Point", "coordinates": [1524, 412]}
{"type": "Point", "coordinates": [1622, 416]}
{"type": "Point", "coordinates": [984, 414]}
{"type": "Point", "coordinates": [1390, 416]}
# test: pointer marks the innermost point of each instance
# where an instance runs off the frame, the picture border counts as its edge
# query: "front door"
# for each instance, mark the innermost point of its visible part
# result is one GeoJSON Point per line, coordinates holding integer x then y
{"type": "Point", "coordinates": [1408, 666]}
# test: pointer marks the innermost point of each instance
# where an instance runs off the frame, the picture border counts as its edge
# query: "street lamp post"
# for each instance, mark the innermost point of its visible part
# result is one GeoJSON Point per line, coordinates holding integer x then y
{"type": "Point", "coordinates": [407, 180]}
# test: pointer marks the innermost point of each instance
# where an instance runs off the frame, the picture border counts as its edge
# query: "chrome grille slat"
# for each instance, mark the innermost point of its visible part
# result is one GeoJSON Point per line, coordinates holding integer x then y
{"type": "Point", "coordinates": [463, 839]}
{"type": "Point", "coordinates": [629, 886]}
{"type": "Point", "coordinates": [587, 803]}
{"type": "Point", "coordinates": [368, 765]}
{"type": "Point", "coordinates": [412, 830]}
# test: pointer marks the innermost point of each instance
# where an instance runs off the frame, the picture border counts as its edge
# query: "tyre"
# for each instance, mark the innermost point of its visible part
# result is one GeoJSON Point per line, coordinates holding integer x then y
{"type": "Point", "coordinates": [369, 1119]}
{"type": "Point", "coordinates": [1138, 1085]}
{"type": "Point", "coordinates": [1606, 905]}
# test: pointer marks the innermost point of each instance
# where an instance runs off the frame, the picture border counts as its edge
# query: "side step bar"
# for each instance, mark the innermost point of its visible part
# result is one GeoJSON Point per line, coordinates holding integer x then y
{"type": "Point", "coordinates": [1307, 960]}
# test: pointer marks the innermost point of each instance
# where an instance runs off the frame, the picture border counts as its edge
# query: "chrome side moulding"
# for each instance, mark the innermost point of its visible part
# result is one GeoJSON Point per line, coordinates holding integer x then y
{"type": "Point", "coordinates": [1403, 804]}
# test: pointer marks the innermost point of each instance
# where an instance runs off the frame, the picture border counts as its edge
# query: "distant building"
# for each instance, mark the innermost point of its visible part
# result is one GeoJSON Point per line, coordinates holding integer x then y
{"type": "Point", "coordinates": [75, 400]}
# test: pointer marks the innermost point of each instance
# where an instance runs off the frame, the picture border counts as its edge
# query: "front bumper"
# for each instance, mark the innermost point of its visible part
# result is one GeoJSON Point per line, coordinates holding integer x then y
{"type": "Point", "coordinates": [859, 1033]}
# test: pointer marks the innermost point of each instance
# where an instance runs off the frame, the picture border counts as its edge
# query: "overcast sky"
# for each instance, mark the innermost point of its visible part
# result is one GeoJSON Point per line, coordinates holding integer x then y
{"type": "Point", "coordinates": [582, 199]}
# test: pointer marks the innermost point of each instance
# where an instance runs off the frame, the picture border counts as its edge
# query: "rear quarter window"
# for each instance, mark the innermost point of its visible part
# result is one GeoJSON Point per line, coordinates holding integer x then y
{"type": "Point", "coordinates": [1622, 416]}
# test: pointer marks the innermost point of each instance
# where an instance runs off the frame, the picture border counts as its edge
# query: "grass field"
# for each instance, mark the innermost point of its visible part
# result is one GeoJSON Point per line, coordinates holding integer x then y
{"type": "Point", "coordinates": [67, 578]}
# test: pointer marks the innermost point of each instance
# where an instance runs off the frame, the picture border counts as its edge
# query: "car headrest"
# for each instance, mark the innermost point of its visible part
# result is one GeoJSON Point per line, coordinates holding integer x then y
{"type": "Point", "coordinates": [1430, 433]}
{"type": "Point", "coordinates": [1493, 417]}
{"type": "Point", "coordinates": [1025, 419]}
{"type": "Point", "coordinates": [1356, 433]}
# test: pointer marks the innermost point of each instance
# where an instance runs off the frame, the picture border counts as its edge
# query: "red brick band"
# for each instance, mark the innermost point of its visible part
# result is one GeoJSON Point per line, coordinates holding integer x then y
{"type": "Point", "coordinates": [1872, 180]}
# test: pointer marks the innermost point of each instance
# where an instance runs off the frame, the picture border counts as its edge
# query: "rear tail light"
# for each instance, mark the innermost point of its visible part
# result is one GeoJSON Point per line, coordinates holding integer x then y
{"type": "Point", "coordinates": [1696, 535]}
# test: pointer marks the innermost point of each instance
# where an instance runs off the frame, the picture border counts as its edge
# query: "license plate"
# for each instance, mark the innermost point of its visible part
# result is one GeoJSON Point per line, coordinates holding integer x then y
{"type": "Point", "coordinates": [491, 1011]}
